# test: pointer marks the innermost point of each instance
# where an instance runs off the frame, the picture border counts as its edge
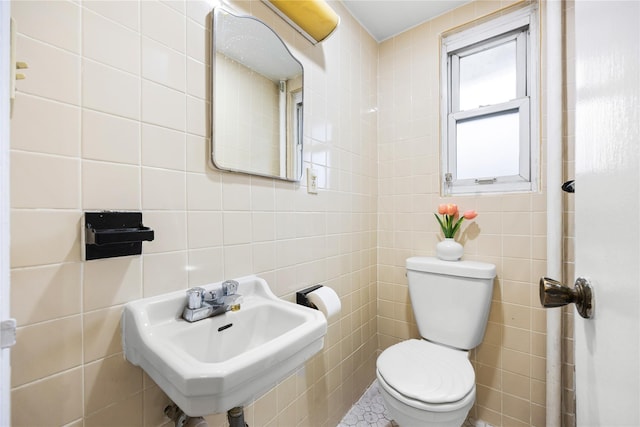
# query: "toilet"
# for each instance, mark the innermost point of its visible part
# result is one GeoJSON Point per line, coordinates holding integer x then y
{"type": "Point", "coordinates": [430, 381]}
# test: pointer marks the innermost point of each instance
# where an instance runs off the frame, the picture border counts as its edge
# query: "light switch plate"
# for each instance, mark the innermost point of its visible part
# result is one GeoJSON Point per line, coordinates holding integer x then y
{"type": "Point", "coordinates": [312, 181]}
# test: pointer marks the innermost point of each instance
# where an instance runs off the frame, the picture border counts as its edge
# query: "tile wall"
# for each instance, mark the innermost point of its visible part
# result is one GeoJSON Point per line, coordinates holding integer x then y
{"type": "Point", "coordinates": [114, 115]}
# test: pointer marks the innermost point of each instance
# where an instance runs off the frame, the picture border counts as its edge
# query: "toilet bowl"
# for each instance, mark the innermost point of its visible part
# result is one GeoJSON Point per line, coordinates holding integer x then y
{"type": "Point", "coordinates": [426, 384]}
{"type": "Point", "coordinates": [430, 381]}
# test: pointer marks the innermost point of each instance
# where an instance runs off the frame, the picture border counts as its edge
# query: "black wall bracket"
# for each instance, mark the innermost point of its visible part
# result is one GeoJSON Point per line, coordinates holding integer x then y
{"type": "Point", "coordinates": [301, 296]}
{"type": "Point", "coordinates": [569, 186]}
{"type": "Point", "coordinates": [111, 234]}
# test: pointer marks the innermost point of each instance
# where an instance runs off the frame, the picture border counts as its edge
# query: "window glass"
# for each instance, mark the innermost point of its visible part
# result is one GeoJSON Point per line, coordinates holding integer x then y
{"type": "Point", "coordinates": [488, 77]}
{"type": "Point", "coordinates": [488, 147]}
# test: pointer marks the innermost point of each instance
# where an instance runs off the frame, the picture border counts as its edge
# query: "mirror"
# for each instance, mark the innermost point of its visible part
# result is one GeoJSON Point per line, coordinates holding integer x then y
{"type": "Point", "coordinates": [257, 99]}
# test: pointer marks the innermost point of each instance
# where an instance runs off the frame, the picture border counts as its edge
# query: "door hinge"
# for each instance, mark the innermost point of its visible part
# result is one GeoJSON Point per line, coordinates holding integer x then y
{"type": "Point", "coordinates": [7, 333]}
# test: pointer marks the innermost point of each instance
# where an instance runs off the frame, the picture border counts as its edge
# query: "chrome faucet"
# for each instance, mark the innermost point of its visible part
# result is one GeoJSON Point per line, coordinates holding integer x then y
{"type": "Point", "coordinates": [202, 303]}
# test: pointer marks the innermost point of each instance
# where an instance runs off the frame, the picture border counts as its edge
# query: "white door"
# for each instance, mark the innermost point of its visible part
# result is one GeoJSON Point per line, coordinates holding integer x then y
{"type": "Point", "coordinates": [607, 210]}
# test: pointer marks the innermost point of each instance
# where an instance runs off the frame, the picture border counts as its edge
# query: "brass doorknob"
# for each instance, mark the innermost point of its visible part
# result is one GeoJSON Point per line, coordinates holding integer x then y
{"type": "Point", "coordinates": [556, 294]}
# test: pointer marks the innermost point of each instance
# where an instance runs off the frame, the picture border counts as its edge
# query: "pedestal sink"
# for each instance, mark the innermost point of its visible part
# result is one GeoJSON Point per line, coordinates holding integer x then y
{"type": "Point", "coordinates": [225, 361]}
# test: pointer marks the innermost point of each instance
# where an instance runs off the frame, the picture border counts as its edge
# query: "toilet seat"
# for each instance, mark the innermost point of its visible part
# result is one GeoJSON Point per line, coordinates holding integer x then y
{"type": "Point", "coordinates": [427, 376]}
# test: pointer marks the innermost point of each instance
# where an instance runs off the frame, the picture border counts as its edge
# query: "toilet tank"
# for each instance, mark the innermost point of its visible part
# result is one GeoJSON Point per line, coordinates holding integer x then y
{"type": "Point", "coordinates": [451, 299]}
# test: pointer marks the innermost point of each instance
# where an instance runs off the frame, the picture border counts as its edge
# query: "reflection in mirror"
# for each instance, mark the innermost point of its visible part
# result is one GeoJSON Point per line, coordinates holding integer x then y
{"type": "Point", "coordinates": [257, 99]}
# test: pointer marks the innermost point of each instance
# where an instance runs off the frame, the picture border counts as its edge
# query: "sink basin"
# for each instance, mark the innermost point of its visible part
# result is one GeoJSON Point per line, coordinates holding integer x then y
{"type": "Point", "coordinates": [224, 361]}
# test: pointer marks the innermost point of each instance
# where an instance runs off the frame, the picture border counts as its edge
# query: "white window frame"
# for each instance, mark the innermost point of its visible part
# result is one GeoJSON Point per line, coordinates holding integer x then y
{"type": "Point", "coordinates": [522, 26]}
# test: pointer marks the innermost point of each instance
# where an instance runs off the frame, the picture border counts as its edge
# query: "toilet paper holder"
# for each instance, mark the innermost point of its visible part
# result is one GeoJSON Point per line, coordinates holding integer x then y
{"type": "Point", "coordinates": [301, 296]}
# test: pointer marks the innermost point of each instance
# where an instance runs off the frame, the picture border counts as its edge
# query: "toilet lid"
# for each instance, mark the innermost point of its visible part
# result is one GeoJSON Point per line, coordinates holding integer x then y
{"type": "Point", "coordinates": [427, 372]}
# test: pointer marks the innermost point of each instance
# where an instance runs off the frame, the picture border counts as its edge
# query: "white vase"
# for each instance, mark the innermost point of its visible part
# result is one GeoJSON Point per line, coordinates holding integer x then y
{"type": "Point", "coordinates": [449, 250]}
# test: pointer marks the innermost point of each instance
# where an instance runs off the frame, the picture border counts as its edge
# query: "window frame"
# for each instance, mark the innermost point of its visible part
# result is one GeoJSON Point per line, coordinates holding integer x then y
{"type": "Point", "coordinates": [520, 25]}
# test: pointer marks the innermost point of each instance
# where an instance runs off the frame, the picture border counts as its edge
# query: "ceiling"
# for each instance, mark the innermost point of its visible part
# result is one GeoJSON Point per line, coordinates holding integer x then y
{"type": "Point", "coordinates": [384, 19]}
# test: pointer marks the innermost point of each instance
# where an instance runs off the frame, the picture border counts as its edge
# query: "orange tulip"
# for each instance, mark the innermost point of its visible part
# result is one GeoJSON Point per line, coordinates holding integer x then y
{"type": "Point", "coordinates": [442, 208]}
{"type": "Point", "coordinates": [452, 209]}
{"type": "Point", "coordinates": [470, 214]}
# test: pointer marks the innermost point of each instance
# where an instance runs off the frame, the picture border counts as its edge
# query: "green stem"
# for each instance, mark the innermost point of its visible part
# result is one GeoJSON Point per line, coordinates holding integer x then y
{"type": "Point", "coordinates": [457, 226]}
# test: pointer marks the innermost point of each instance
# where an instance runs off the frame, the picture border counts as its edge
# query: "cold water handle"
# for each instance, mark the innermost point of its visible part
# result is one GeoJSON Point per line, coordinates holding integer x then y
{"type": "Point", "coordinates": [555, 294]}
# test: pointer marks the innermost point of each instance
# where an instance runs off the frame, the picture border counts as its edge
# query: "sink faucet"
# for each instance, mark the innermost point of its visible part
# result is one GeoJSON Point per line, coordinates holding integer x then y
{"type": "Point", "coordinates": [202, 303]}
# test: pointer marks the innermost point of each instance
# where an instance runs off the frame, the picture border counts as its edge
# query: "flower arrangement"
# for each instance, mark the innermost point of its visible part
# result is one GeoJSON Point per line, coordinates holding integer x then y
{"type": "Point", "coordinates": [451, 219]}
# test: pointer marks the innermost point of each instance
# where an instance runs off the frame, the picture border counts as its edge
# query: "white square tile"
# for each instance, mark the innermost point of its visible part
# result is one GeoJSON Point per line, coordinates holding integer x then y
{"type": "Point", "coordinates": [237, 228]}
{"type": "Point", "coordinates": [237, 261]}
{"type": "Point", "coordinates": [163, 148]}
{"type": "Point", "coordinates": [126, 13]}
{"type": "Point", "coordinates": [43, 181]}
{"type": "Point", "coordinates": [170, 231]}
{"type": "Point", "coordinates": [163, 106]}
{"type": "Point", "coordinates": [310, 224]}
{"type": "Point", "coordinates": [56, 240]}
{"type": "Point", "coordinates": [58, 129]}
{"type": "Point", "coordinates": [60, 340]}
{"type": "Point", "coordinates": [178, 5]}
{"type": "Point", "coordinates": [263, 225]}
{"type": "Point", "coordinates": [47, 390]}
{"type": "Point", "coordinates": [198, 79]}
{"type": "Point", "coordinates": [285, 196]}
{"type": "Point", "coordinates": [110, 186]}
{"type": "Point", "coordinates": [285, 225]}
{"type": "Point", "coordinates": [61, 280]}
{"type": "Point", "coordinates": [163, 65]}
{"type": "Point", "coordinates": [236, 192]}
{"type": "Point", "coordinates": [204, 192]}
{"type": "Point", "coordinates": [110, 91]}
{"type": "Point", "coordinates": [198, 154]}
{"type": "Point", "coordinates": [163, 189]}
{"type": "Point", "coordinates": [199, 10]}
{"type": "Point", "coordinates": [198, 117]}
{"type": "Point", "coordinates": [164, 272]}
{"type": "Point", "coordinates": [288, 253]}
{"type": "Point", "coordinates": [53, 22]}
{"type": "Point", "coordinates": [198, 38]}
{"type": "Point", "coordinates": [111, 281]}
{"type": "Point", "coordinates": [110, 138]}
{"type": "Point", "coordinates": [206, 266]}
{"type": "Point", "coordinates": [110, 43]}
{"type": "Point", "coordinates": [262, 194]}
{"type": "Point", "coordinates": [205, 229]}
{"type": "Point", "coordinates": [163, 24]}
{"type": "Point", "coordinates": [263, 257]}
{"type": "Point", "coordinates": [101, 330]}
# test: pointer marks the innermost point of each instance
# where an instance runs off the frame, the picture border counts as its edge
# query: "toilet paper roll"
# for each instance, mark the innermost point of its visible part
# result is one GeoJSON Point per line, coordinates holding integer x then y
{"type": "Point", "coordinates": [326, 300]}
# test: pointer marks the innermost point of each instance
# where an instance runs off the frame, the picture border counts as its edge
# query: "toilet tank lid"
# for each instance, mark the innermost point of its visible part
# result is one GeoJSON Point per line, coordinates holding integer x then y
{"type": "Point", "coordinates": [474, 269]}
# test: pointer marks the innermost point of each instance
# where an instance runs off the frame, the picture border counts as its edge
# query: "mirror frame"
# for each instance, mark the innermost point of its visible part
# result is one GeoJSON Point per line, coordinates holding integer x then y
{"type": "Point", "coordinates": [294, 149]}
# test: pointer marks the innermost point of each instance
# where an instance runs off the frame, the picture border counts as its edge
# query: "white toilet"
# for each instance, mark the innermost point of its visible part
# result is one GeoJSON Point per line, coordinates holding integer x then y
{"type": "Point", "coordinates": [430, 382]}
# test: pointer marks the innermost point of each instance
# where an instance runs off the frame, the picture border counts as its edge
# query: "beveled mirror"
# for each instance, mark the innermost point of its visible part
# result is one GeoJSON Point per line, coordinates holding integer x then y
{"type": "Point", "coordinates": [257, 99]}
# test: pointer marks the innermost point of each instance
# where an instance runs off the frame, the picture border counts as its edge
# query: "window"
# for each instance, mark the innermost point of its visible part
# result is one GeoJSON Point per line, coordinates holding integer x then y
{"type": "Point", "coordinates": [489, 106]}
